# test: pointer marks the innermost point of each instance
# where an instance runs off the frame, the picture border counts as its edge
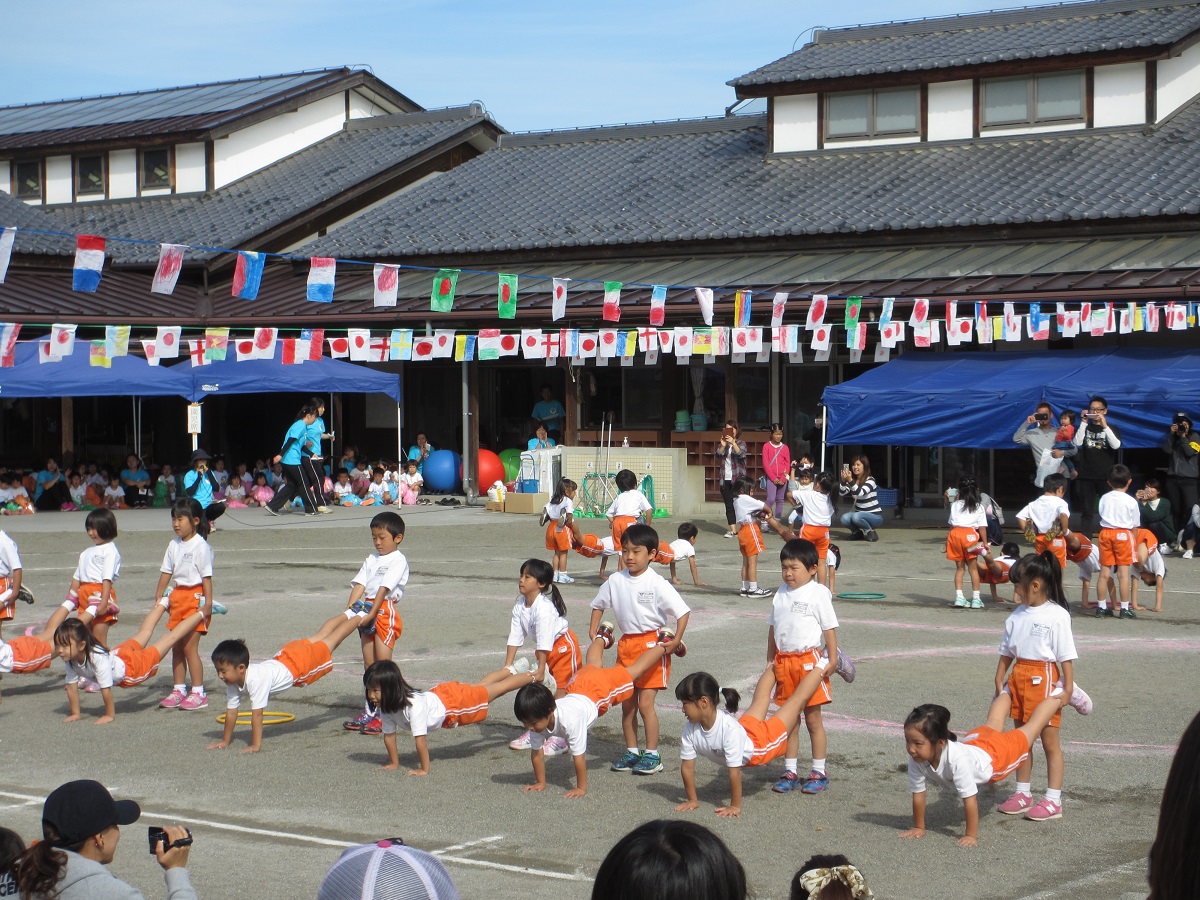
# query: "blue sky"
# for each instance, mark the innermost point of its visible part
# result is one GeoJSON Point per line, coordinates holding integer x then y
{"type": "Point", "coordinates": [534, 64]}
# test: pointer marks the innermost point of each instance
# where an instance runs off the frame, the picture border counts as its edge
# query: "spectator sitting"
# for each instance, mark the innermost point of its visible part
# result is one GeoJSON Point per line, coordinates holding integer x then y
{"type": "Point", "coordinates": [135, 481]}
{"type": "Point", "coordinates": [52, 490]}
{"type": "Point", "coordinates": [419, 451]}
{"type": "Point", "coordinates": [1156, 514]}
{"type": "Point", "coordinates": [114, 494]}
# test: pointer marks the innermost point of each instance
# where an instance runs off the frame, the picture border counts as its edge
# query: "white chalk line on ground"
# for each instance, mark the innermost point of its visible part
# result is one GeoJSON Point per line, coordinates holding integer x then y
{"type": "Point", "coordinates": [1088, 880]}
{"type": "Point", "coordinates": [443, 853]}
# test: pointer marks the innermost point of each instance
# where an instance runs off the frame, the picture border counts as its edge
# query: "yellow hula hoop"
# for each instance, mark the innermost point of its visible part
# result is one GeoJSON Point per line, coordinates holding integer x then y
{"type": "Point", "coordinates": [269, 717]}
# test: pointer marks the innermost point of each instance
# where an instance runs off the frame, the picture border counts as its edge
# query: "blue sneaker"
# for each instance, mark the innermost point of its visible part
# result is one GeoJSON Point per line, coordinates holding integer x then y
{"type": "Point", "coordinates": [789, 782]}
{"type": "Point", "coordinates": [648, 764]}
{"type": "Point", "coordinates": [815, 783]}
{"type": "Point", "coordinates": [626, 762]}
{"type": "Point", "coordinates": [219, 609]}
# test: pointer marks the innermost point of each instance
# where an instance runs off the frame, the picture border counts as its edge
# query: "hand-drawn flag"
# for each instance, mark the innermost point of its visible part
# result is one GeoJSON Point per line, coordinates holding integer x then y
{"type": "Point", "coordinates": [44, 354]}
{"type": "Point", "coordinates": [247, 274]}
{"type": "Point", "coordinates": [885, 313]}
{"type": "Point", "coordinates": [506, 296]}
{"type": "Point", "coordinates": [882, 354]}
{"type": "Point", "coordinates": [148, 350]}
{"type": "Point", "coordinates": [778, 308]}
{"type": "Point", "coordinates": [62, 341]}
{"type": "Point", "coordinates": [400, 344]}
{"type": "Point", "coordinates": [983, 324]}
{"type": "Point", "coordinates": [244, 348]}
{"type": "Point", "coordinates": [422, 348]}
{"type": "Point", "coordinates": [98, 355]}
{"type": "Point", "coordinates": [1099, 321]}
{"type": "Point", "coordinates": [264, 343]}
{"type": "Point", "coordinates": [920, 312]}
{"type": "Point", "coordinates": [568, 342]}
{"type": "Point", "coordinates": [853, 311]}
{"type": "Point", "coordinates": [464, 347]}
{"type": "Point", "coordinates": [746, 340]}
{"type": "Point", "coordinates": [608, 343]}
{"type": "Point", "coordinates": [821, 337]}
{"type": "Point", "coordinates": [1151, 315]}
{"type": "Point", "coordinates": [441, 295]}
{"type": "Point", "coordinates": [116, 340]}
{"type": "Point", "coordinates": [8, 343]}
{"type": "Point", "coordinates": [1176, 316]}
{"type": "Point", "coordinates": [387, 284]}
{"type": "Point", "coordinates": [443, 343]}
{"type": "Point", "coordinates": [291, 355]}
{"type": "Point", "coordinates": [891, 334]}
{"type": "Point", "coordinates": [360, 344]}
{"type": "Point", "coordinates": [702, 341]}
{"type": "Point", "coordinates": [531, 344]}
{"type": "Point", "coordinates": [381, 346]}
{"type": "Point", "coordinates": [315, 339]}
{"type": "Point", "coordinates": [741, 308]}
{"type": "Point", "coordinates": [89, 263]}
{"type": "Point", "coordinates": [1012, 323]}
{"type": "Point", "coordinates": [558, 299]}
{"type": "Point", "coordinates": [216, 342]}
{"type": "Point", "coordinates": [196, 352]}
{"type": "Point", "coordinates": [1126, 318]}
{"type": "Point", "coordinates": [959, 330]}
{"type": "Point", "coordinates": [704, 298]}
{"type": "Point", "coordinates": [322, 273]}
{"type": "Point", "coordinates": [683, 341]}
{"type": "Point", "coordinates": [658, 304]}
{"type": "Point", "coordinates": [1039, 324]}
{"type": "Point", "coordinates": [612, 301]}
{"type": "Point", "coordinates": [589, 344]}
{"type": "Point", "coordinates": [922, 332]}
{"type": "Point", "coordinates": [166, 342]}
{"type": "Point", "coordinates": [488, 346]}
{"type": "Point", "coordinates": [170, 263]}
{"type": "Point", "coordinates": [7, 236]}
{"type": "Point", "coordinates": [339, 347]}
{"type": "Point", "coordinates": [817, 308]}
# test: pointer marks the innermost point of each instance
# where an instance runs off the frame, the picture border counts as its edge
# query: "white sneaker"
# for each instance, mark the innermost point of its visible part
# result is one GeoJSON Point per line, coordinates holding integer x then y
{"type": "Point", "coordinates": [550, 681]}
{"type": "Point", "coordinates": [521, 743]}
{"type": "Point", "coordinates": [1165, 549]}
{"type": "Point", "coordinates": [520, 667]}
{"type": "Point", "coordinates": [1080, 701]}
{"type": "Point", "coordinates": [554, 746]}
{"type": "Point", "coordinates": [563, 578]}
{"type": "Point", "coordinates": [1187, 554]}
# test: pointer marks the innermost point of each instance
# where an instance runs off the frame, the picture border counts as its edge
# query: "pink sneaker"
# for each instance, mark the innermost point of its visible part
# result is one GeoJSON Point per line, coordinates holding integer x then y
{"type": "Point", "coordinates": [1044, 811]}
{"type": "Point", "coordinates": [173, 699]}
{"type": "Point", "coordinates": [554, 746]}
{"type": "Point", "coordinates": [194, 700]}
{"type": "Point", "coordinates": [1016, 804]}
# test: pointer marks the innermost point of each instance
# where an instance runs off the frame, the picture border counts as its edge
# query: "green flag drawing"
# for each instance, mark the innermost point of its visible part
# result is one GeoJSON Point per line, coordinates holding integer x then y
{"type": "Point", "coordinates": [853, 308]}
{"type": "Point", "coordinates": [506, 297]}
{"type": "Point", "coordinates": [441, 297]}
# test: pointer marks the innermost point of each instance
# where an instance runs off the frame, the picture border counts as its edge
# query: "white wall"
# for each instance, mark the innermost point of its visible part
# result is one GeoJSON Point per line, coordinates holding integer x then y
{"type": "Point", "coordinates": [58, 179]}
{"type": "Point", "coordinates": [1033, 129]}
{"type": "Point", "coordinates": [1119, 96]}
{"type": "Point", "coordinates": [950, 110]}
{"type": "Point", "coordinates": [1178, 81]}
{"type": "Point", "coordinates": [362, 108]}
{"type": "Point", "coordinates": [874, 142]}
{"type": "Point", "coordinates": [189, 168]}
{"type": "Point", "coordinates": [122, 174]}
{"type": "Point", "coordinates": [5, 176]}
{"type": "Point", "coordinates": [256, 147]}
{"type": "Point", "coordinates": [795, 123]}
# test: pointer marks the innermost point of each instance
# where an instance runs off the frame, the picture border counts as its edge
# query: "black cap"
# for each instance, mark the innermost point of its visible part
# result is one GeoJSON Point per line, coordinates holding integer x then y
{"type": "Point", "coordinates": [198, 455]}
{"type": "Point", "coordinates": [79, 810]}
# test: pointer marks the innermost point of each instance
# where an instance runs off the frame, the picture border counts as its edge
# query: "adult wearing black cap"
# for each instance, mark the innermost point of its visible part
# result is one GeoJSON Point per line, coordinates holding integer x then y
{"type": "Point", "coordinates": [200, 484]}
{"type": "Point", "coordinates": [81, 826]}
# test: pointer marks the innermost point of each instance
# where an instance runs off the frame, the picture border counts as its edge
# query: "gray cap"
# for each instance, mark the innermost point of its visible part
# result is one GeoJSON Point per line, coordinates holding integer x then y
{"type": "Point", "coordinates": [387, 870]}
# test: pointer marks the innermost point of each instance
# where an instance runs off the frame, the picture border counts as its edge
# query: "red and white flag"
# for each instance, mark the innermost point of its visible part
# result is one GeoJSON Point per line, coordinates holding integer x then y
{"type": "Point", "coordinates": [316, 343]}
{"type": "Point", "coordinates": [1152, 316]}
{"type": "Point", "coordinates": [1176, 316]}
{"type": "Point", "coordinates": [860, 337]}
{"type": "Point", "coordinates": [62, 340]}
{"type": "Point", "coordinates": [360, 344]}
{"type": "Point", "coordinates": [608, 343]}
{"type": "Point", "coordinates": [381, 347]}
{"type": "Point", "coordinates": [658, 304]}
{"type": "Point", "coordinates": [891, 334]}
{"type": "Point", "coordinates": [817, 308]}
{"type": "Point", "coordinates": [244, 348]}
{"type": "Point", "coordinates": [746, 340]}
{"type": "Point", "coordinates": [149, 352]}
{"type": "Point", "coordinates": [7, 236]}
{"type": "Point", "coordinates": [682, 339]}
{"type": "Point", "coordinates": [170, 264]}
{"type": "Point", "coordinates": [44, 354]}
{"type": "Point", "coordinates": [920, 313]}
{"type": "Point", "coordinates": [443, 343]}
{"type": "Point", "coordinates": [422, 348]}
{"type": "Point", "coordinates": [196, 352]}
{"type": "Point", "coordinates": [922, 332]}
{"type": "Point", "coordinates": [589, 344]}
{"type": "Point", "coordinates": [322, 275]}
{"type": "Point", "coordinates": [264, 342]}
{"type": "Point", "coordinates": [882, 354]}
{"type": "Point", "coordinates": [166, 342]}
{"type": "Point", "coordinates": [387, 284]}
{"type": "Point", "coordinates": [1012, 323]}
{"type": "Point", "coordinates": [8, 343]}
{"type": "Point", "coordinates": [339, 347]}
{"type": "Point", "coordinates": [291, 355]}
{"type": "Point", "coordinates": [531, 344]}
{"type": "Point", "coordinates": [612, 302]}
{"type": "Point", "coordinates": [1099, 322]}
{"type": "Point", "coordinates": [558, 299]}
{"type": "Point", "coordinates": [958, 331]}
{"type": "Point", "coordinates": [778, 308]}
{"type": "Point", "coordinates": [821, 337]}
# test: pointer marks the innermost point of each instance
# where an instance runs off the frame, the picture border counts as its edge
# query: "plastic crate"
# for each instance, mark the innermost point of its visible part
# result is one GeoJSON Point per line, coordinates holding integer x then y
{"type": "Point", "coordinates": [888, 497]}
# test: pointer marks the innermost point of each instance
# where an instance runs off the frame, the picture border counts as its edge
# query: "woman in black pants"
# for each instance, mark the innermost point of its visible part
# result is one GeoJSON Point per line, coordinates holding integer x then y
{"type": "Point", "coordinates": [312, 464]}
{"type": "Point", "coordinates": [289, 457]}
{"type": "Point", "coordinates": [731, 468]}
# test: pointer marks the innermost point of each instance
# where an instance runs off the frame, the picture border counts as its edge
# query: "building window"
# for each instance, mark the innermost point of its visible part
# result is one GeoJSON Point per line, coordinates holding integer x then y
{"type": "Point", "coordinates": [89, 176]}
{"type": "Point", "coordinates": [156, 169]}
{"type": "Point", "coordinates": [27, 179]}
{"type": "Point", "coordinates": [1038, 100]}
{"type": "Point", "coordinates": [866, 114]}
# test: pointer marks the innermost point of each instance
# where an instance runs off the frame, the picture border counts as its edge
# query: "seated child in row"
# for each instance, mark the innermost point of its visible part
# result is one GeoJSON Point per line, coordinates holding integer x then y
{"type": "Point", "coordinates": [235, 493]}
{"type": "Point", "coordinates": [410, 483]}
{"type": "Point", "coordinates": [14, 499]}
{"type": "Point", "coordinates": [261, 493]}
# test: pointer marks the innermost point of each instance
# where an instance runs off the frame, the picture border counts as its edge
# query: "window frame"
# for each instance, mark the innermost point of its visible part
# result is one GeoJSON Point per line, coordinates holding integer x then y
{"type": "Point", "coordinates": [76, 181]}
{"type": "Point", "coordinates": [142, 185]}
{"type": "Point", "coordinates": [872, 114]}
{"type": "Point", "coordinates": [1031, 99]}
{"type": "Point", "coordinates": [15, 180]}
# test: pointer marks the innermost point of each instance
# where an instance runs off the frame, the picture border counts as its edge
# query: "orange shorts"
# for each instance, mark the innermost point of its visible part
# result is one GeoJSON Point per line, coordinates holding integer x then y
{"type": "Point", "coordinates": [957, 542]}
{"type": "Point", "coordinates": [769, 737]}
{"type": "Point", "coordinates": [986, 576]}
{"type": "Point", "coordinates": [619, 524]}
{"type": "Point", "coordinates": [1084, 551]}
{"type": "Point", "coordinates": [466, 704]}
{"type": "Point", "coordinates": [185, 600]}
{"type": "Point", "coordinates": [387, 624]}
{"type": "Point", "coordinates": [557, 539]}
{"type": "Point", "coordinates": [1116, 547]}
{"type": "Point", "coordinates": [790, 669]}
{"type": "Point", "coordinates": [565, 658]}
{"type": "Point", "coordinates": [819, 535]}
{"type": "Point", "coordinates": [306, 660]}
{"type": "Point", "coordinates": [591, 547]}
{"type": "Point", "coordinates": [1029, 683]}
{"type": "Point", "coordinates": [1057, 546]}
{"type": "Point", "coordinates": [30, 654]}
{"type": "Point", "coordinates": [6, 608]}
{"type": "Point", "coordinates": [631, 646]}
{"type": "Point", "coordinates": [605, 687]}
{"type": "Point", "coordinates": [750, 540]}
{"type": "Point", "coordinates": [1008, 749]}
{"type": "Point", "coordinates": [141, 663]}
{"type": "Point", "coordinates": [89, 595]}
{"type": "Point", "coordinates": [664, 556]}
{"type": "Point", "coordinates": [1145, 536]}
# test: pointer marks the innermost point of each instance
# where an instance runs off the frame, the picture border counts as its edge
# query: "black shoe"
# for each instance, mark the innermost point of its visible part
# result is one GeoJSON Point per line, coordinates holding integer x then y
{"type": "Point", "coordinates": [24, 594]}
{"type": "Point", "coordinates": [872, 536]}
{"type": "Point", "coordinates": [271, 511]}
{"type": "Point", "coordinates": [857, 536]}
{"type": "Point", "coordinates": [1105, 613]}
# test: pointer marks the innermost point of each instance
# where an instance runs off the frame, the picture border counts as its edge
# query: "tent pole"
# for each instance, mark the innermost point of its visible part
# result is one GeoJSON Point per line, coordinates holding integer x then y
{"type": "Point", "coordinates": [466, 438]}
{"type": "Point", "coordinates": [824, 433]}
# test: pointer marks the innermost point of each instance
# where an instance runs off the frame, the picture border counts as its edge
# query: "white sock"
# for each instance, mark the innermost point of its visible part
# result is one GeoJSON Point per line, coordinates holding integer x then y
{"type": "Point", "coordinates": [789, 765]}
{"type": "Point", "coordinates": [182, 688]}
{"type": "Point", "coordinates": [819, 765]}
{"type": "Point", "coordinates": [1023, 787]}
{"type": "Point", "coordinates": [745, 585]}
{"type": "Point", "coordinates": [1103, 604]}
{"type": "Point", "coordinates": [165, 602]}
{"type": "Point", "coordinates": [351, 614]}
{"type": "Point", "coordinates": [958, 595]}
{"type": "Point", "coordinates": [198, 689]}
{"type": "Point", "coordinates": [1124, 605]}
{"type": "Point", "coordinates": [68, 605]}
{"type": "Point", "coordinates": [753, 586]}
{"type": "Point", "coordinates": [634, 750]}
{"type": "Point", "coordinates": [974, 595]}
{"type": "Point", "coordinates": [1054, 796]}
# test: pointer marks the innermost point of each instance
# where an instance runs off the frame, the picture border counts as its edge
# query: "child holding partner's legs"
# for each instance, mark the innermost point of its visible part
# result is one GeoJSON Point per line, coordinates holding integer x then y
{"type": "Point", "coordinates": [986, 754]}
{"type": "Point", "coordinates": [1040, 648]}
{"type": "Point", "coordinates": [747, 511]}
{"type": "Point", "coordinates": [11, 573]}
{"type": "Point", "coordinates": [590, 546]}
{"type": "Point", "coordinates": [1047, 517]}
{"type": "Point", "coordinates": [131, 663]}
{"type": "Point", "coordinates": [188, 563]}
{"type": "Point", "coordinates": [558, 515]}
{"type": "Point", "coordinates": [541, 614]}
{"type": "Point", "coordinates": [445, 705]}
{"type": "Point", "coordinates": [628, 506]}
{"type": "Point", "coordinates": [299, 663]}
{"type": "Point", "coordinates": [967, 539]}
{"type": "Point", "coordinates": [641, 601]}
{"type": "Point", "coordinates": [96, 573]}
{"type": "Point", "coordinates": [590, 695]}
{"type": "Point", "coordinates": [1119, 519]}
{"type": "Point", "coordinates": [374, 591]}
{"type": "Point", "coordinates": [801, 621]}
{"type": "Point", "coordinates": [817, 508]}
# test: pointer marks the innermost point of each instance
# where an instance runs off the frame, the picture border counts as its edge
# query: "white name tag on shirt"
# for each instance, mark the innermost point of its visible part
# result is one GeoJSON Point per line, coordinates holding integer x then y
{"type": "Point", "coordinates": [801, 607]}
{"type": "Point", "coordinates": [646, 597]}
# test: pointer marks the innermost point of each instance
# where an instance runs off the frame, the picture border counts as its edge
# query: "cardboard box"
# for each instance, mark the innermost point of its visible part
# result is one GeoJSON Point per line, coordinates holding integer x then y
{"type": "Point", "coordinates": [494, 505]}
{"type": "Point", "coordinates": [529, 504]}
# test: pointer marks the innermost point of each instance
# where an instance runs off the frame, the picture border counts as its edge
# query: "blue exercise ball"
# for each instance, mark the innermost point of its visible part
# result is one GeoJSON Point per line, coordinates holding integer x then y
{"type": "Point", "coordinates": [441, 470]}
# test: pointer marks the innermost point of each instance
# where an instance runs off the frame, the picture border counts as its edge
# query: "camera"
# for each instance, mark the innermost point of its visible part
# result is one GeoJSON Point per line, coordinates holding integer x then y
{"type": "Point", "coordinates": [158, 837]}
{"type": "Point", "coordinates": [1042, 417]}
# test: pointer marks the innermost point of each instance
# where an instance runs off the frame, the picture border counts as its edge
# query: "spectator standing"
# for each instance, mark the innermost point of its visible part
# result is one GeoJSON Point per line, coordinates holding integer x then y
{"type": "Point", "coordinates": [731, 468]}
{"type": "Point", "coordinates": [1183, 469]}
{"type": "Point", "coordinates": [1096, 444]}
{"type": "Point", "coordinates": [550, 412]}
{"type": "Point", "coordinates": [1038, 432]}
{"type": "Point", "coordinates": [777, 463]}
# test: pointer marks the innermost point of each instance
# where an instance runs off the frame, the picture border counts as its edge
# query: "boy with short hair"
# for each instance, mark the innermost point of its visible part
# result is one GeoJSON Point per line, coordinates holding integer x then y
{"type": "Point", "coordinates": [1046, 520]}
{"type": "Point", "coordinates": [641, 601]}
{"type": "Point", "coordinates": [685, 548]}
{"type": "Point", "coordinates": [801, 621]}
{"type": "Point", "coordinates": [377, 491]}
{"type": "Point", "coordinates": [299, 663]}
{"type": "Point", "coordinates": [1119, 519]}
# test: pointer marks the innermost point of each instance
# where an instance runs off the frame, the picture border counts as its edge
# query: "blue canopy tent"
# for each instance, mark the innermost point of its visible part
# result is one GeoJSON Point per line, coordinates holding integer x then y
{"type": "Point", "coordinates": [975, 399]}
{"type": "Point", "coordinates": [75, 376]}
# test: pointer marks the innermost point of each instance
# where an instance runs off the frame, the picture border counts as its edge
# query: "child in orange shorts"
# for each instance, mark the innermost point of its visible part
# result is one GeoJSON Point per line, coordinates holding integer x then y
{"type": "Point", "coordinates": [747, 512]}
{"type": "Point", "coordinates": [817, 507]}
{"type": "Point", "coordinates": [967, 539]}
{"type": "Point", "coordinates": [30, 653]}
{"type": "Point", "coordinates": [96, 574]}
{"type": "Point", "coordinates": [558, 515]}
{"type": "Point", "coordinates": [628, 506]}
{"type": "Point", "coordinates": [1119, 520]}
{"type": "Point", "coordinates": [994, 570]}
{"type": "Point", "coordinates": [1047, 517]}
{"type": "Point", "coordinates": [1149, 568]}
{"type": "Point", "coordinates": [11, 572]}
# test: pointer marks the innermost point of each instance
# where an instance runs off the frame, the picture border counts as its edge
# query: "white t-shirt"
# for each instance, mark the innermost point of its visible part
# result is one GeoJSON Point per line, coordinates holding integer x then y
{"type": "Point", "coordinates": [815, 507]}
{"type": "Point", "coordinates": [540, 621]}
{"type": "Point", "coordinates": [726, 743]}
{"type": "Point", "coordinates": [800, 617]}
{"type": "Point", "coordinates": [390, 571]}
{"type": "Point", "coordinates": [1039, 633]}
{"type": "Point", "coordinates": [236, 493]}
{"type": "Point", "coordinates": [10, 559]}
{"type": "Point", "coordinates": [7, 495]}
{"type": "Point", "coordinates": [960, 518]}
{"type": "Point", "coordinates": [640, 604]}
{"type": "Point", "coordinates": [411, 480]}
{"type": "Point", "coordinates": [962, 765]}
{"type": "Point", "coordinates": [1154, 565]}
{"type": "Point", "coordinates": [1044, 511]}
{"type": "Point", "coordinates": [425, 713]}
{"type": "Point", "coordinates": [97, 480]}
{"type": "Point", "coordinates": [113, 493]}
{"type": "Point", "coordinates": [1047, 465]}
{"type": "Point", "coordinates": [190, 561]}
{"type": "Point", "coordinates": [222, 478]}
{"type": "Point", "coordinates": [78, 494]}
{"type": "Point", "coordinates": [746, 509]}
{"type": "Point", "coordinates": [377, 489]}
{"type": "Point", "coordinates": [6, 659]}
{"type": "Point", "coordinates": [262, 680]}
{"type": "Point", "coordinates": [1119, 510]}
{"type": "Point", "coordinates": [342, 491]}
{"type": "Point", "coordinates": [556, 512]}
{"type": "Point", "coordinates": [629, 503]}
{"type": "Point", "coordinates": [573, 716]}
{"type": "Point", "coordinates": [683, 549]}
{"type": "Point", "coordinates": [98, 563]}
{"type": "Point", "coordinates": [106, 669]}
{"type": "Point", "coordinates": [607, 547]}
{"type": "Point", "coordinates": [1090, 567]}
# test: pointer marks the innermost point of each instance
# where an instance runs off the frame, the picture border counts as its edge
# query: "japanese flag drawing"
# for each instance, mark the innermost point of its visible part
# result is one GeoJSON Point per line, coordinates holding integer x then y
{"type": "Point", "coordinates": [1012, 323]}
{"type": "Point", "coordinates": [422, 348]}
{"type": "Point", "coordinates": [608, 343]}
{"type": "Point", "coordinates": [959, 331]}
{"type": "Point", "coordinates": [821, 338]}
{"type": "Point", "coordinates": [882, 354]}
{"type": "Point", "coordinates": [891, 334]}
{"type": "Point", "coordinates": [747, 340]}
{"type": "Point", "coordinates": [360, 344]}
{"type": "Point", "coordinates": [339, 347]}
{"type": "Point", "coordinates": [1176, 316]}
{"type": "Point", "coordinates": [443, 343]}
{"type": "Point", "coordinates": [682, 339]}
{"type": "Point", "coordinates": [166, 342]}
{"type": "Point", "coordinates": [778, 308]}
{"type": "Point", "coordinates": [920, 313]}
{"type": "Point", "coordinates": [170, 263]}
{"type": "Point", "coordinates": [531, 344]}
{"type": "Point", "coordinates": [44, 354]}
{"type": "Point", "coordinates": [558, 299]}
{"type": "Point", "coordinates": [264, 343]}
{"type": "Point", "coordinates": [244, 348]}
{"type": "Point", "coordinates": [387, 284]}
{"type": "Point", "coordinates": [148, 351]}
{"type": "Point", "coordinates": [855, 355]}
{"type": "Point", "coordinates": [816, 312]}
{"type": "Point", "coordinates": [1070, 323]}
{"type": "Point", "coordinates": [62, 341]}
{"type": "Point", "coordinates": [589, 344]}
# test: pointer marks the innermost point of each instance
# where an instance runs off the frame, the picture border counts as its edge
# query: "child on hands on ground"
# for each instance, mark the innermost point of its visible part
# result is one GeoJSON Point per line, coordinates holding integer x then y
{"type": "Point", "coordinates": [33, 652]}
{"type": "Point", "coordinates": [747, 511]}
{"type": "Point", "coordinates": [1149, 568]}
{"type": "Point", "coordinates": [1119, 520]}
{"type": "Point", "coordinates": [994, 570]}
{"type": "Point", "coordinates": [685, 548]}
{"type": "Point", "coordinates": [189, 563]}
{"type": "Point", "coordinates": [967, 539]}
{"type": "Point", "coordinates": [641, 601]}
{"type": "Point", "coordinates": [590, 546]}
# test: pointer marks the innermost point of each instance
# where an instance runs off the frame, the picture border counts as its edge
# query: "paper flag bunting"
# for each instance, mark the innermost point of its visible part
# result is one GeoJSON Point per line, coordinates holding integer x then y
{"type": "Point", "coordinates": [315, 338]}
{"type": "Point", "coordinates": [702, 341]}
{"type": "Point", "coordinates": [62, 341]}
{"type": "Point", "coordinates": [44, 354]}
{"type": "Point", "coordinates": [922, 332]}
{"type": "Point", "coordinates": [339, 347]}
{"type": "Point", "coordinates": [506, 296]}
{"type": "Point", "coordinates": [658, 304]}
{"type": "Point", "coordinates": [148, 351]}
{"type": "Point", "coordinates": [741, 308]}
{"type": "Point", "coordinates": [920, 313]}
{"type": "Point", "coordinates": [821, 337]}
{"type": "Point", "coordinates": [387, 284]}
{"type": "Point", "coordinates": [608, 343]}
{"type": "Point", "coordinates": [289, 353]}
{"type": "Point", "coordinates": [8, 343]}
{"type": "Point", "coordinates": [264, 343]}
{"type": "Point", "coordinates": [216, 341]}
{"type": "Point", "coordinates": [441, 295]}
{"type": "Point", "coordinates": [747, 340]}
{"type": "Point", "coordinates": [247, 274]}
{"type": "Point", "coordinates": [652, 354]}
{"type": "Point", "coordinates": [816, 312]}
{"type": "Point", "coordinates": [422, 348]}
{"type": "Point", "coordinates": [116, 340]}
{"type": "Point", "coordinates": [1039, 324]}
{"type": "Point", "coordinates": [646, 338]}
{"type": "Point", "coordinates": [1151, 311]}
{"type": "Point", "coordinates": [244, 349]}
{"type": "Point", "coordinates": [798, 357]}
{"type": "Point", "coordinates": [704, 298]}
{"type": "Point", "coordinates": [1099, 320]}
{"type": "Point", "coordinates": [558, 299]}
{"type": "Point", "coordinates": [983, 324]}
{"type": "Point", "coordinates": [89, 263]}
{"type": "Point", "coordinates": [682, 341]}
{"type": "Point", "coordinates": [855, 355]}
{"type": "Point", "coordinates": [400, 344]}
{"type": "Point", "coordinates": [464, 347]}
{"type": "Point", "coordinates": [7, 236]}
{"type": "Point", "coordinates": [443, 343]}
{"type": "Point", "coordinates": [853, 311]}
{"type": "Point", "coordinates": [166, 342]}
{"type": "Point", "coordinates": [196, 352]}
{"type": "Point", "coordinates": [381, 346]}
{"type": "Point", "coordinates": [721, 344]}
{"type": "Point", "coordinates": [589, 344]}
{"type": "Point", "coordinates": [885, 313]}
{"type": "Point", "coordinates": [891, 334]}
{"type": "Point", "coordinates": [97, 355]}
{"type": "Point", "coordinates": [612, 301]}
{"type": "Point", "coordinates": [1126, 319]}
{"type": "Point", "coordinates": [170, 264]}
{"type": "Point", "coordinates": [531, 344]}
{"type": "Point", "coordinates": [821, 355]}
{"type": "Point", "coordinates": [627, 343]}
{"type": "Point", "coordinates": [568, 342]}
{"type": "Point", "coordinates": [778, 308]}
{"type": "Point", "coordinates": [360, 344]}
{"type": "Point", "coordinates": [882, 354]}
{"type": "Point", "coordinates": [960, 330]}
{"type": "Point", "coordinates": [1176, 316]}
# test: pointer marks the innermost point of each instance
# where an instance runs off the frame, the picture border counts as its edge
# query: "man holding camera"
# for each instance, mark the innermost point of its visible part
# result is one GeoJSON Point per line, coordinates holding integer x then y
{"type": "Point", "coordinates": [1096, 444]}
{"type": "Point", "coordinates": [1037, 432]}
{"type": "Point", "coordinates": [1183, 446]}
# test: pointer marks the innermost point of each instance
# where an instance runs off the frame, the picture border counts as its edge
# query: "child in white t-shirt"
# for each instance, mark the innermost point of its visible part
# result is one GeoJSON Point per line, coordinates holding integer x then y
{"type": "Point", "coordinates": [1045, 520]}
{"type": "Point", "coordinates": [557, 516]}
{"type": "Point", "coordinates": [378, 491]}
{"type": "Point", "coordinates": [685, 548]}
{"type": "Point", "coordinates": [10, 579]}
{"type": "Point", "coordinates": [747, 511]}
{"type": "Point", "coordinates": [410, 483]}
{"type": "Point", "coordinates": [627, 508]}
{"type": "Point", "coordinates": [967, 539]}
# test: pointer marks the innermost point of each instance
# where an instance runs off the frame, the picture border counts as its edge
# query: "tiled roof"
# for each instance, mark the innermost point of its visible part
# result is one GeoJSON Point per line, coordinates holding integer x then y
{"type": "Point", "coordinates": [236, 214]}
{"type": "Point", "coordinates": [1063, 30]}
{"type": "Point", "coordinates": [712, 180]}
{"type": "Point", "coordinates": [29, 219]}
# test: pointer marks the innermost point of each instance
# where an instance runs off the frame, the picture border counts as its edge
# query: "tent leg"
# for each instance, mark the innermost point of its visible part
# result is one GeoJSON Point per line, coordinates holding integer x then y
{"type": "Point", "coordinates": [467, 467]}
{"type": "Point", "coordinates": [399, 435]}
{"type": "Point", "coordinates": [824, 432]}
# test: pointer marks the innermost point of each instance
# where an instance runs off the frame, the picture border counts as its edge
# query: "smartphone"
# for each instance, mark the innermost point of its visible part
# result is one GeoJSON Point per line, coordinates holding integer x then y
{"type": "Point", "coordinates": [845, 467]}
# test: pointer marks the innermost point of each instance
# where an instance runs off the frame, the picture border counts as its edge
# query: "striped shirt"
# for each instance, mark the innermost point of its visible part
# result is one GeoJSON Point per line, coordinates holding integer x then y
{"type": "Point", "coordinates": [866, 499]}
